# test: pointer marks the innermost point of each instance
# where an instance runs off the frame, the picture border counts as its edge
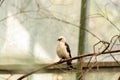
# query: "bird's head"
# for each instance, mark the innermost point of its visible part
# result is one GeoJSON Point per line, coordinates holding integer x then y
{"type": "Point", "coordinates": [62, 39]}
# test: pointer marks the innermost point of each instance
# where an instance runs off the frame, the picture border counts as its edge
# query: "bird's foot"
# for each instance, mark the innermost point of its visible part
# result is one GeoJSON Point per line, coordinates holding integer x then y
{"type": "Point", "coordinates": [61, 60]}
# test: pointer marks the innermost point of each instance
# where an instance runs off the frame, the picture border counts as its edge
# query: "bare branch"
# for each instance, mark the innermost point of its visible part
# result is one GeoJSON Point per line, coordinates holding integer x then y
{"type": "Point", "coordinates": [117, 38]}
{"type": "Point", "coordinates": [1, 2]}
{"type": "Point", "coordinates": [56, 63]}
{"type": "Point", "coordinates": [102, 14]}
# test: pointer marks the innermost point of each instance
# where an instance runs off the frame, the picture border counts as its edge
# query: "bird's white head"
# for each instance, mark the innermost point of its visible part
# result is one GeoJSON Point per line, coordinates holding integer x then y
{"type": "Point", "coordinates": [62, 39]}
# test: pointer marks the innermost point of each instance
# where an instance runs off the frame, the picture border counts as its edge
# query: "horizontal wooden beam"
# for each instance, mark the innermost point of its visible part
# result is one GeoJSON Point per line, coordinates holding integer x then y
{"type": "Point", "coordinates": [22, 69]}
{"type": "Point", "coordinates": [102, 65]}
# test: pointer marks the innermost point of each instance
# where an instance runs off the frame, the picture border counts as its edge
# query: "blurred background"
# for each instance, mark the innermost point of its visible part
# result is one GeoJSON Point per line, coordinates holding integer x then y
{"type": "Point", "coordinates": [29, 30]}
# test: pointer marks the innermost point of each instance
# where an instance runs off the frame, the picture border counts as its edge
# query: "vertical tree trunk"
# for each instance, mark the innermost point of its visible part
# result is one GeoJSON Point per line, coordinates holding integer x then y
{"type": "Point", "coordinates": [81, 37]}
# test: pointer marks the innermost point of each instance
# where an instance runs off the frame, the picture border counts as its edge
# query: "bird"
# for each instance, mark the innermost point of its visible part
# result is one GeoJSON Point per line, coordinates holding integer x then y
{"type": "Point", "coordinates": [63, 51]}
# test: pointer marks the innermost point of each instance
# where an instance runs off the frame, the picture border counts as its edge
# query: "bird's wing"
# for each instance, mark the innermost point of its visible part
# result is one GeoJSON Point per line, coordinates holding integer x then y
{"type": "Point", "coordinates": [68, 49]}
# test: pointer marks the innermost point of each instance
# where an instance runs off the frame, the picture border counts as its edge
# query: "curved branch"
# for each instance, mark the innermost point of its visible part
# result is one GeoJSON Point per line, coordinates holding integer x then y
{"type": "Point", "coordinates": [56, 63]}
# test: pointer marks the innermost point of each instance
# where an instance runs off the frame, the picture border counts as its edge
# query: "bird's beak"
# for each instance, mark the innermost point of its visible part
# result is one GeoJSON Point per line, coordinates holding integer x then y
{"type": "Point", "coordinates": [58, 40]}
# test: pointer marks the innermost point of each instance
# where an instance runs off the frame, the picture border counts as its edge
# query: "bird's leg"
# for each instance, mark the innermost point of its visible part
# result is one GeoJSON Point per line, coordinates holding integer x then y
{"type": "Point", "coordinates": [61, 60]}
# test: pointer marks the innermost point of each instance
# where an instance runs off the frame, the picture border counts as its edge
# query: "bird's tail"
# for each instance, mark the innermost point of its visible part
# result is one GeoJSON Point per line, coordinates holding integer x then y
{"type": "Point", "coordinates": [69, 64]}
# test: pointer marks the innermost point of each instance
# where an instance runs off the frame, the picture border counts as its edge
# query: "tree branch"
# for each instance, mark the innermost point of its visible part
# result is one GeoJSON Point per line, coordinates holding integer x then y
{"type": "Point", "coordinates": [56, 63]}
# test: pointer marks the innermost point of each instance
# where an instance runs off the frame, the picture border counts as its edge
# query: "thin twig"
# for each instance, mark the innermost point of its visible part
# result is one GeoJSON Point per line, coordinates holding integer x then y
{"type": "Point", "coordinates": [106, 17]}
{"type": "Point", "coordinates": [113, 46]}
{"type": "Point", "coordinates": [90, 67]}
{"type": "Point", "coordinates": [1, 2]}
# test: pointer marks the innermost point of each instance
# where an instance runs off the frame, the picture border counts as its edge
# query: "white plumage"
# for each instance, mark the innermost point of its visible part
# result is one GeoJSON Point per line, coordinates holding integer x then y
{"type": "Point", "coordinates": [61, 50]}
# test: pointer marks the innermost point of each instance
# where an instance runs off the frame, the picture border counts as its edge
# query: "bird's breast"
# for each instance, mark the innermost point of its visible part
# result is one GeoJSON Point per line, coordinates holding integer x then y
{"type": "Point", "coordinates": [61, 50]}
